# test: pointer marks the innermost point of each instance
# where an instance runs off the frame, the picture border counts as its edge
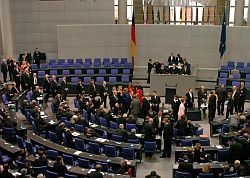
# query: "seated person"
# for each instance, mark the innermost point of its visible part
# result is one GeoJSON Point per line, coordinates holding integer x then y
{"type": "Point", "coordinates": [120, 131]}
{"type": "Point", "coordinates": [97, 173]}
{"type": "Point", "coordinates": [109, 117]}
{"type": "Point", "coordinates": [185, 166]}
{"type": "Point", "coordinates": [61, 112]}
{"type": "Point", "coordinates": [56, 102]}
{"type": "Point", "coordinates": [82, 103]}
{"type": "Point", "coordinates": [9, 122]}
{"type": "Point", "coordinates": [100, 113]}
{"type": "Point", "coordinates": [190, 128]}
{"type": "Point", "coordinates": [226, 171]}
{"type": "Point", "coordinates": [36, 93]}
{"type": "Point", "coordinates": [185, 70]}
{"type": "Point", "coordinates": [60, 129]}
{"type": "Point", "coordinates": [199, 155]}
{"type": "Point", "coordinates": [24, 174]}
{"type": "Point", "coordinates": [238, 168]}
{"type": "Point", "coordinates": [91, 133]}
{"type": "Point", "coordinates": [40, 124]}
{"type": "Point", "coordinates": [131, 134]}
{"type": "Point", "coordinates": [70, 141]}
{"type": "Point", "coordinates": [174, 70]}
{"type": "Point", "coordinates": [59, 167]}
{"type": "Point", "coordinates": [25, 105]}
{"type": "Point", "coordinates": [153, 175]}
{"type": "Point", "coordinates": [130, 119]}
{"type": "Point", "coordinates": [9, 93]}
{"type": "Point", "coordinates": [36, 112]}
{"type": "Point", "coordinates": [206, 169]}
{"type": "Point", "coordinates": [22, 159]}
{"type": "Point", "coordinates": [5, 172]}
{"type": "Point", "coordinates": [81, 121]}
{"type": "Point", "coordinates": [40, 160]}
{"type": "Point", "coordinates": [189, 154]}
{"type": "Point", "coordinates": [14, 89]}
{"type": "Point", "coordinates": [124, 167]}
{"type": "Point", "coordinates": [96, 102]}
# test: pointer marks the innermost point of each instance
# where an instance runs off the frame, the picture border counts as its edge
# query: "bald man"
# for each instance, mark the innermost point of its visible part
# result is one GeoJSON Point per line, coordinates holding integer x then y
{"type": "Point", "coordinates": [97, 173]}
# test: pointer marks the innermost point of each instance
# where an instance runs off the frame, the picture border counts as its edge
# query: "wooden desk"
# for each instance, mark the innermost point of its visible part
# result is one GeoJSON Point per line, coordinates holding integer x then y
{"type": "Point", "coordinates": [9, 148]}
{"type": "Point", "coordinates": [208, 149]}
{"type": "Point", "coordinates": [119, 145]}
{"type": "Point", "coordinates": [113, 162]}
{"type": "Point", "coordinates": [76, 170]}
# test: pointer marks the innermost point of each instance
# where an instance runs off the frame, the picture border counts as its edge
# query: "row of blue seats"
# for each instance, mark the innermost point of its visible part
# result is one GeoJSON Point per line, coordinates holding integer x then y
{"type": "Point", "coordinates": [229, 82]}
{"type": "Point", "coordinates": [239, 65]}
{"type": "Point", "coordinates": [101, 72]}
{"type": "Point", "coordinates": [89, 60]}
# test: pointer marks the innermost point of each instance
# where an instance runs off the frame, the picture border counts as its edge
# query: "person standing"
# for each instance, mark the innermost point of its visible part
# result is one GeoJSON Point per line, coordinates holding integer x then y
{"type": "Point", "coordinates": [229, 105]}
{"type": "Point", "coordinates": [79, 89]}
{"type": "Point", "coordinates": [145, 105]}
{"type": "Point", "coordinates": [202, 98]}
{"type": "Point", "coordinates": [135, 106]}
{"type": "Point", "coordinates": [155, 101]}
{"type": "Point", "coordinates": [150, 67]}
{"type": "Point", "coordinates": [10, 68]}
{"type": "Point", "coordinates": [53, 86]}
{"type": "Point", "coordinates": [243, 93]}
{"type": "Point", "coordinates": [181, 111]}
{"type": "Point", "coordinates": [37, 57]}
{"type": "Point", "coordinates": [167, 137]}
{"type": "Point", "coordinates": [236, 98]}
{"type": "Point", "coordinates": [212, 101]}
{"type": "Point", "coordinates": [171, 59]}
{"type": "Point", "coordinates": [175, 106]}
{"type": "Point", "coordinates": [4, 70]}
{"type": "Point", "coordinates": [222, 95]}
{"type": "Point", "coordinates": [16, 76]}
{"type": "Point", "coordinates": [46, 87]}
{"type": "Point", "coordinates": [149, 134]}
{"type": "Point", "coordinates": [190, 98]}
{"type": "Point", "coordinates": [104, 93]}
{"type": "Point", "coordinates": [64, 88]}
{"type": "Point", "coordinates": [92, 88]}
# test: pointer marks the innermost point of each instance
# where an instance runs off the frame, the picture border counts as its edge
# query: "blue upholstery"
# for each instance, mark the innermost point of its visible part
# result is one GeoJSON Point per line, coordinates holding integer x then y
{"type": "Point", "coordinates": [52, 154]}
{"type": "Point", "coordinates": [179, 174]}
{"type": "Point", "coordinates": [103, 122]}
{"type": "Point", "coordinates": [116, 138]}
{"type": "Point", "coordinates": [39, 170]}
{"type": "Point", "coordinates": [79, 143]}
{"type": "Point", "coordinates": [52, 174]}
{"type": "Point", "coordinates": [149, 147]}
{"type": "Point", "coordinates": [128, 153]}
{"type": "Point", "coordinates": [186, 143]}
{"type": "Point", "coordinates": [94, 148]}
{"type": "Point", "coordinates": [84, 163]}
{"type": "Point", "coordinates": [52, 137]}
{"type": "Point", "coordinates": [113, 125]}
{"type": "Point", "coordinates": [110, 151]}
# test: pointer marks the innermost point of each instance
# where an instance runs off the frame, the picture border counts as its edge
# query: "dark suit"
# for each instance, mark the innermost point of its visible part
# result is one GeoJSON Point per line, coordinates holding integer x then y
{"type": "Point", "coordinates": [150, 67]}
{"type": "Point", "coordinates": [185, 71]}
{"type": "Point", "coordinates": [135, 107]}
{"type": "Point", "coordinates": [149, 132]}
{"type": "Point", "coordinates": [185, 167]}
{"type": "Point", "coordinates": [53, 88]}
{"type": "Point", "coordinates": [167, 136]}
{"type": "Point", "coordinates": [211, 107]}
{"type": "Point", "coordinates": [113, 100]}
{"type": "Point", "coordinates": [171, 60]}
{"type": "Point", "coordinates": [155, 101]}
{"type": "Point", "coordinates": [37, 58]}
{"type": "Point", "coordinates": [95, 174]}
{"type": "Point", "coordinates": [202, 96]}
{"type": "Point", "coordinates": [190, 100]}
{"type": "Point", "coordinates": [235, 152]}
{"type": "Point", "coordinates": [103, 94]}
{"type": "Point", "coordinates": [174, 70]}
{"type": "Point", "coordinates": [64, 89]}
{"type": "Point", "coordinates": [79, 89]}
{"type": "Point", "coordinates": [236, 98]}
{"type": "Point", "coordinates": [242, 98]}
{"type": "Point", "coordinates": [149, 176]}
{"type": "Point", "coordinates": [4, 70]}
{"type": "Point", "coordinates": [175, 106]}
{"type": "Point", "coordinates": [92, 90]}
{"type": "Point", "coordinates": [46, 89]}
{"type": "Point", "coordinates": [145, 107]}
{"type": "Point", "coordinates": [16, 77]}
{"type": "Point", "coordinates": [27, 79]}
{"type": "Point", "coordinates": [157, 67]}
{"type": "Point", "coordinates": [222, 94]}
{"type": "Point", "coordinates": [122, 133]}
{"type": "Point", "coordinates": [181, 125]}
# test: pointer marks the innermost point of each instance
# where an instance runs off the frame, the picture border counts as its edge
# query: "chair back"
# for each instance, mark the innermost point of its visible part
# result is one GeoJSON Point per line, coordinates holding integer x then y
{"type": "Point", "coordinates": [179, 174]}
{"type": "Point", "coordinates": [205, 142]}
{"type": "Point", "coordinates": [9, 133]}
{"type": "Point", "coordinates": [199, 132]}
{"type": "Point", "coordinates": [116, 138]}
{"type": "Point", "coordinates": [84, 163]}
{"type": "Point", "coordinates": [134, 141]}
{"type": "Point", "coordinates": [52, 174]}
{"type": "Point", "coordinates": [113, 125]}
{"type": "Point", "coordinates": [110, 151]}
{"type": "Point", "coordinates": [105, 167]}
{"type": "Point", "coordinates": [222, 155]}
{"type": "Point", "coordinates": [149, 147]}
{"type": "Point", "coordinates": [20, 165]}
{"type": "Point", "coordinates": [52, 137]}
{"type": "Point", "coordinates": [202, 175]}
{"type": "Point", "coordinates": [130, 126]}
{"type": "Point", "coordinates": [39, 170]}
{"type": "Point", "coordinates": [186, 143]}
{"type": "Point", "coordinates": [79, 128]}
{"type": "Point", "coordinates": [128, 153]}
{"type": "Point", "coordinates": [20, 142]}
{"type": "Point", "coordinates": [67, 159]}
{"type": "Point", "coordinates": [94, 148]}
{"type": "Point", "coordinates": [103, 122]}
{"type": "Point", "coordinates": [52, 154]}
{"type": "Point", "coordinates": [79, 143]}
{"type": "Point", "coordinates": [231, 175]}
{"type": "Point", "coordinates": [70, 176]}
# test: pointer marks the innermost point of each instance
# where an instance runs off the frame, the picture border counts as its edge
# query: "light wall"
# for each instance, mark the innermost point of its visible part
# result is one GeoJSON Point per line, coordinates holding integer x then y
{"type": "Point", "coordinates": [199, 44]}
{"type": "Point", "coordinates": [34, 22]}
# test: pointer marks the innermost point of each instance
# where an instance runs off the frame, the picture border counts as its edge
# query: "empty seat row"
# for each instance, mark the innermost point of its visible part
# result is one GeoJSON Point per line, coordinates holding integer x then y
{"type": "Point", "coordinates": [89, 60]}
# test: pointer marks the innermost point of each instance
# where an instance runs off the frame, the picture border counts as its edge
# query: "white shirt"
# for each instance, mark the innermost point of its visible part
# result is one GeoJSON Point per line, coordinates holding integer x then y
{"type": "Point", "coordinates": [35, 80]}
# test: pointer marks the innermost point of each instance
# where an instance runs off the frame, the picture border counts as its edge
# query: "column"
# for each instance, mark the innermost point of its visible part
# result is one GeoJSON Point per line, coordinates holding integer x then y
{"type": "Point", "coordinates": [6, 28]}
{"type": "Point", "coordinates": [248, 16]}
{"type": "Point", "coordinates": [239, 13]}
{"type": "Point", "coordinates": [122, 12]}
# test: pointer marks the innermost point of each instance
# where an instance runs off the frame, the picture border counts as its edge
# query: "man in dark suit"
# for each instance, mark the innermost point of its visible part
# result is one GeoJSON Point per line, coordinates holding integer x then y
{"type": "Point", "coordinates": [113, 99]}
{"type": "Point", "coordinates": [202, 96]}
{"type": "Point", "coordinates": [167, 137]}
{"type": "Point", "coordinates": [150, 67]}
{"type": "Point", "coordinates": [158, 123]}
{"type": "Point", "coordinates": [185, 166]}
{"type": "Point", "coordinates": [178, 59]}
{"type": "Point", "coordinates": [171, 59]}
{"type": "Point", "coordinates": [157, 66]}
{"type": "Point", "coordinates": [175, 106]}
{"type": "Point", "coordinates": [174, 70]}
{"type": "Point", "coordinates": [46, 87]}
{"type": "Point", "coordinates": [243, 93]}
{"type": "Point", "coordinates": [235, 151]}
{"type": "Point", "coordinates": [16, 76]}
{"type": "Point", "coordinates": [120, 131]}
{"type": "Point", "coordinates": [10, 68]}
{"type": "Point", "coordinates": [155, 101]}
{"type": "Point", "coordinates": [79, 89]}
{"type": "Point", "coordinates": [36, 93]}
{"type": "Point", "coordinates": [236, 98]}
{"type": "Point", "coordinates": [4, 70]}
{"type": "Point", "coordinates": [104, 93]}
{"type": "Point", "coordinates": [181, 125]}
{"type": "Point", "coordinates": [92, 88]}
{"type": "Point", "coordinates": [190, 98]}
{"type": "Point", "coordinates": [185, 70]}
{"type": "Point", "coordinates": [53, 86]}
{"type": "Point", "coordinates": [145, 105]}
{"type": "Point", "coordinates": [34, 81]}
{"type": "Point", "coordinates": [64, 88]}
{"type": "Point", "coordinates": [222, 95]}
{"type": "Point", "coordinates": [149, 134]}
{"type": "Point", "coordinates": [27, 79]}
{"type": "Point", "coordinates": [37, 57]}
{"type": "Point", "coordinates": [97, 173]}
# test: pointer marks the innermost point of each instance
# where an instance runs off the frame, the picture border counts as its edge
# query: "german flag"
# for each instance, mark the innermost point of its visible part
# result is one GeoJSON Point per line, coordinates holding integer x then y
{"type": "Point", "coordinates": [133, 40]}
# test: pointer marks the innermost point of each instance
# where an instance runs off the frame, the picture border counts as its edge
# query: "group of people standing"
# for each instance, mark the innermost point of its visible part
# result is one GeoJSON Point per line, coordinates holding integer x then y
{"type": "Point", "coordinates": [174, 65]}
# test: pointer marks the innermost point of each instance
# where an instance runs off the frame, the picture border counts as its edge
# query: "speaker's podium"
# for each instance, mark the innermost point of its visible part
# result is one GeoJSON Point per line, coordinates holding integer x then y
{"type": "Point", "coordinates": [169, 93]}
{"type": "Point", "coordinates": [194, 114]}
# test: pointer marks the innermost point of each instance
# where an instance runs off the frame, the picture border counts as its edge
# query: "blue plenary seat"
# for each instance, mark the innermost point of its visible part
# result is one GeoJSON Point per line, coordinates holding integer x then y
{"type": "Point", "coordinates": [230, 65]}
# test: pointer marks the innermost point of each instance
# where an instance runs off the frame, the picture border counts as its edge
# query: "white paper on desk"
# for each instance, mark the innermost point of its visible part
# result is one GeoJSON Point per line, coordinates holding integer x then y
{"type": "Point", "coordinates": [51, 122]}
{"type": "Point", "coordinates": [157, 137]}
{"type": "Point", "coordinates": [42, 113]}
{"type": "Point", "coordinates": [39, 98]}
{"type": "Point", "coordinates": [68, 167]}
{"type": "Point", "coordinates": [75, 134]}
{"type": "Point", "coordinates": [102, 140]}
{"type": "Point", "coordinates": [91, 171]}
{"type": "Point", "coordinates": [15, 174]}
{"type": "Point", "coordinates": [77, 153]}
{"type": "Point", "coordinates": [219, 146]}
{"type": "Point", "coordinates": [138, 135]}
{"type": "Point", "coordinates": [93, 125]}
{"type": "Point", "coordinates": [43, 116]}
{"type": "Point", "coordinates": [128, 162]}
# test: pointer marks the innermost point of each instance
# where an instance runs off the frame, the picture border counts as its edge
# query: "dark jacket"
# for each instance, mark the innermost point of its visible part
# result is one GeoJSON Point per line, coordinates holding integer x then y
{"type": "Point", "coordinates": [167, 132]}
{"type": "Point", "coordinates": [60, 169]}
{"type": "Point", "coordinates": [122, 133]}
{"type": "Point", "coordinates": [95, 174]}
{"type": "Point", "coordinates": [46, 86]}
{"type": "Point", "coordinates": [4, 68]}
{"type": "Point", "coordinates": [185, 167]}
{"type": "Point", "coordinates": [149, 132]}
{"type": "Point", "coordinates": [41, 161]}
{"type": "Point", "coordinates": [181, 125]}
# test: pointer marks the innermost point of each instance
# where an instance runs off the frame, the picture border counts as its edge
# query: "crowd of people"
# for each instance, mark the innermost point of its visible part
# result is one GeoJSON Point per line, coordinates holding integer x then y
{"type": "Point", "coordinates": [174, 65]}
